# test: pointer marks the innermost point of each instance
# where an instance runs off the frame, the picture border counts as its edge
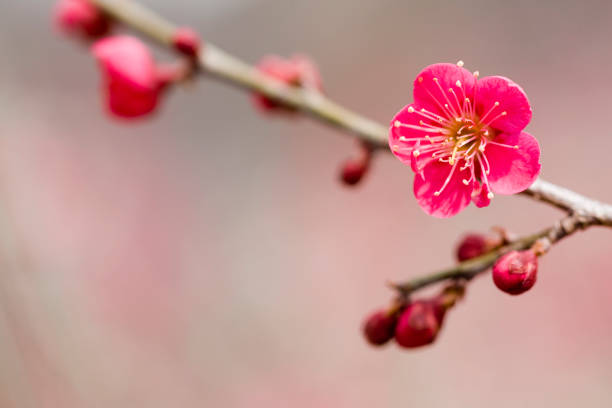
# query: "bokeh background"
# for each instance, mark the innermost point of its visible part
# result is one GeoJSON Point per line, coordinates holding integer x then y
{"type": "Point", "coordinates": [209, 257]}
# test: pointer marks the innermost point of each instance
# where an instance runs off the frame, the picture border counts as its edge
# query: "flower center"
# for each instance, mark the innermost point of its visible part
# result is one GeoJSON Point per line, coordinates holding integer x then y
{"type": "Point", "coordinates": [466, 138]}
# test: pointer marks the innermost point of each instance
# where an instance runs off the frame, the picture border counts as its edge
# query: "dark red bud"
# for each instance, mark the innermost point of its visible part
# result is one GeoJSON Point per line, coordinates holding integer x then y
{"type": "Point", "coordinates": [472, 246]}
{"type": "Point", "coordinates": [353, 171]}
{"type": "Point", "coordinates": [419, 324]}
{"type": "Point", "coordinates": [379, 327]}
{"type": "Point", "coordinates": [516, 271]}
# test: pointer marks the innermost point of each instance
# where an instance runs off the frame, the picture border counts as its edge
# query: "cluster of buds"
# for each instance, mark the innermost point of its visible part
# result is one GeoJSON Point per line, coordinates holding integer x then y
{"type": "Point", "coordinates": [417, 323]}
{"type": "Point", "coordinates": [412, 323]}
{"type": "Point", "coordinates": [301, 72]}
{"type": "Point", "coordinates": [514, 272]}
{"type": "Point", "coordinates": [132, 81]}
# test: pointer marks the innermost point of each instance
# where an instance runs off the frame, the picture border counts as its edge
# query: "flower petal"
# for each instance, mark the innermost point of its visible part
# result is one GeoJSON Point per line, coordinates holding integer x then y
{"type": "Point", "coordinates": [128, 59]}
{"type": "Point", "coordinates": [480, 196]}
{"type": "Point", "coordinates": [418, 163]}
{"type": "Point", "coordinates": [511, 99]}
{"type": "Point", "coordinates": [432, 84]}
{"type": "Point", "coordinates": [513, 169]}
{"type": "Point", "coordinates": [403, 137]}
{"type": "Point", "coordinates": [130, 79]}
{"type": "Point", "coordinates": [455, 196]}
{"type": "Point", "coordinates": [130, 102]}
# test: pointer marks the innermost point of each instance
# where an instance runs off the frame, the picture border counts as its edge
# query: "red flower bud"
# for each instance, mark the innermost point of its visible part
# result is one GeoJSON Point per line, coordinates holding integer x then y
{"type": "Point", "coordinates": [81, 17]}
{"type": "Point", "coordinates": [132, 81]}
{"type": "Point", "coordinates": [353, 171]}
{"type": "Point", "coordinates": [516, 271]}
{"type": "Point", "coordinates": [297, 71]}
{"type": "Point", "coordinates": [420, 323]}
{"type": "Point", "coordinates": [379, 327]}
{"type": "Point", "coordinates": [472, 246]}
{"type": "Point", "coordinates": [186, 41]}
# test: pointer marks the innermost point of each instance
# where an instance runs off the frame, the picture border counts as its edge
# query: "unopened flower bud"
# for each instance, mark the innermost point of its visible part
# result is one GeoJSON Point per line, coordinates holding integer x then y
{"type": "Point", "coordinates": [473, 245]}
{"type": "Point", "coordinates": [419, 323]}
{"type": "Point", "coordinates": [131, 80]}
{"type": "Point", "coordinates": [187, 42]}
{"type": "Point", "coordinates": [298, 71]}
{"type": "Point", "coordinates": [516, 271]}
{"type": "Point", "coordinates": [379, 327]}
{"type": "Point", "coordinates": [81, 17]}
{"type": "Point", "coordinates": [353, 171]}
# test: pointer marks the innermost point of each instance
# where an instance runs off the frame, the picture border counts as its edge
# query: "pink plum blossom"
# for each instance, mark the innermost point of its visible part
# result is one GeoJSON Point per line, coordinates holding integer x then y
{"type": "Point", "coordinates": [464, 138]}
{"type": "Point", "coordinates": [132, 82]}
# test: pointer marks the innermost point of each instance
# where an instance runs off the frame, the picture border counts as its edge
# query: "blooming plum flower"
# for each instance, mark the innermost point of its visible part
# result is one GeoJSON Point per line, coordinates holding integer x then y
{"type": "Point", "coordinates": [464, 138]}
{"type": "Point", "coordinates": [132, 81]}
{"type": "Point", "coordinates": [297, 71]}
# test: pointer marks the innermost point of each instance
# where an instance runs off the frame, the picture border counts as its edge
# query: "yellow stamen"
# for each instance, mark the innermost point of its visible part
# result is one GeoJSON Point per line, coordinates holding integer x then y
{"type": "Point", "coordinates": [452, 159]}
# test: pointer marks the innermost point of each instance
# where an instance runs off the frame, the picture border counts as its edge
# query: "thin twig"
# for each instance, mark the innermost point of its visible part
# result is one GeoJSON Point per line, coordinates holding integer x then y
{"type": "Point", "coordinates": [473, 267]}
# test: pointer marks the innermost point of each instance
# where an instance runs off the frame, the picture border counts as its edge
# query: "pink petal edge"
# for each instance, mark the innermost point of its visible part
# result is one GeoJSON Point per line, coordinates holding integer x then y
{"type": "Point", "coordinates": [400, 148]}
{"type": "Point", "coordinates": [480, 196]}
{"type": "Point", "coordinates": [512, 100]}
{"type": "Point", "coordinates": [454, 198]}
{"type": "Point", "coordinates": [431, 96]}
{"type": "Point", "coordinates": [513, 170]}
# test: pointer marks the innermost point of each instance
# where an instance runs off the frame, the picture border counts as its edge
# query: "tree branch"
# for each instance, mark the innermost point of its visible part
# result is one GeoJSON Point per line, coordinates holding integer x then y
{"type": "Point", "coordinates": [217, 63]}
{"type": "Point", "coordinates": [569, 201]}
{"type": "Point", "coordinates": [473, 267]}
{"type": "Point", "coordinates": [583, 212]}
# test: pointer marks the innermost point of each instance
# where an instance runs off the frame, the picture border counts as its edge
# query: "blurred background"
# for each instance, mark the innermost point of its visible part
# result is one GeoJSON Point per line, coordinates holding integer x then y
{"type": "Point", "coordinates": [209, 257]}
